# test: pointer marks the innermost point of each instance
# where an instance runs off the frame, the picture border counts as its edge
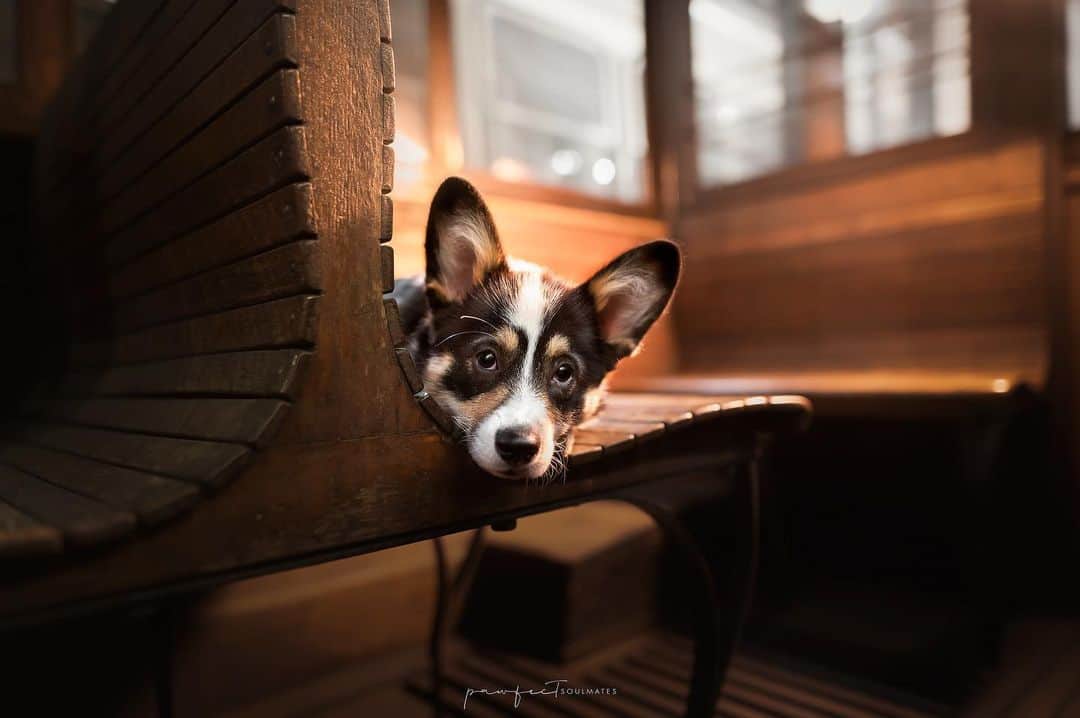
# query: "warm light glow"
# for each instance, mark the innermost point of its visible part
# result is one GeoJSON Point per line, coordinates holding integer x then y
{"type": "Point", "coordinates": [511, 170]}
{"type": "Point", "coordinates": [408, 150]}
{"type": "Point", "coordinates": [846, 11]}
{"type": "Point", "coordinates": [566, 162]}
{"type": "Point", "coordinates": [727, 113]}
{"type": "Point", "coordinates": [603, 171]}
{"type": "Point", "coordinates": [1000, 386]}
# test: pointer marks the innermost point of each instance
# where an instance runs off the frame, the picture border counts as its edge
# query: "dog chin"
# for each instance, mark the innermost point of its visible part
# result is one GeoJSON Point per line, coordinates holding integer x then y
{"type": "Point", "coordinates": [533, 470]}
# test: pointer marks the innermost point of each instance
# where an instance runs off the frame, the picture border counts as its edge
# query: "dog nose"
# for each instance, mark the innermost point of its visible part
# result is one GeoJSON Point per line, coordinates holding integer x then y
{"type": "Point", "coordinates": [517, 445]}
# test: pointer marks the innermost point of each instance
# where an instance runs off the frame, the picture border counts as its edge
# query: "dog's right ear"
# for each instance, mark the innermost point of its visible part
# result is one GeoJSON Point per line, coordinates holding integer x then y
{"type": "Point", "coordinates": [461, 246]}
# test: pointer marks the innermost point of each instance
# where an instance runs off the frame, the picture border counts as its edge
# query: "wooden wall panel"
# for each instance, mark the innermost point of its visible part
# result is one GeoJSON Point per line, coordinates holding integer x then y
{"type": "Point", "coordinates": [933, 265]}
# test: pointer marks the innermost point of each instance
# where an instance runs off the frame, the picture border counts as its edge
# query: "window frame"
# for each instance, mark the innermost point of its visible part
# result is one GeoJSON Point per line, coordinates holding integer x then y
{"type": "Point", "coordinates": [996, 116]}
{"type": "Point", "coordinates": [445, 137]}
{"type": "Point", "coordinates": [672, 186]}
{"type": "Point", "coordinates": [801, 174]}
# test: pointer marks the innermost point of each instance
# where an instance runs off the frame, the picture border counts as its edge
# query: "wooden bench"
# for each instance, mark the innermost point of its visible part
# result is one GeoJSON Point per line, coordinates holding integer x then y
{"type": "Point", "coordinates": [213, 195]}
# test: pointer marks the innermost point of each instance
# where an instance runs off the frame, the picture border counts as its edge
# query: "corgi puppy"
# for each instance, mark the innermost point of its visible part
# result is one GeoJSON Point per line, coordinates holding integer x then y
{"type": "Point", "coordinates": [515, 355]}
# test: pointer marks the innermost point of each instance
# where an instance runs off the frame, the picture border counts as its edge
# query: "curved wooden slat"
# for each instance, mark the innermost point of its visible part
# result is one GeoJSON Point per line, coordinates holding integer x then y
{"type": "Point", "coordinates": [273, 104]}
{"type": "Point", "coordinates": [288, 322]}
{"type": "Point", "coordinates": [206, 37]}
{"type": "Point", "coordinates": [242, 421]}
{"type": "Point", "coordinates": [22, 536]}
{"type": "Point", "coordinates": [115, 40]}
{"type": "Point", "coordinates": [82, 521]}
{"type": "Point", "coordinates": [668, 416]}
{"type": "Point", "coordinates": [278, 218]}
{"type": "Point", "coordinates": [271, 48]}
{"type": "Point", "coordinates": [272, 373]}
{"type": "Point", "coordinates": [640, 429]}
{"type": "Point", "coordinates": [142, 55]}
{"type": "Point", "coordinates": [281, 272]}
{"type": "Point", "coordinates": [627, 419]}
{"type": "Point", "coordinates": [612, 441]}
{"type": "Point", "coordinates": [270, 164]}
{"type": "Point", "coordinates": [202, 462]}
{"type": "Point", "coordinates": [151, 498]}
{"type": "Point", "coordinates": [581, 452]}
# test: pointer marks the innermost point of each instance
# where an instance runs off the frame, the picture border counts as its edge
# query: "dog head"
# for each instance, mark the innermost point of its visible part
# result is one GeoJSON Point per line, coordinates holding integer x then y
{"type": "Point", "coordinates": [516, 355]}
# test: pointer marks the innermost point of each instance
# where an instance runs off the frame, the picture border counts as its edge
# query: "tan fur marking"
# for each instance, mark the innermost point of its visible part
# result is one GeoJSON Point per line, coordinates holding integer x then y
{"type": "Point", "coordinates": [507, 339]}
{"type": "Point", "coordinates": [437, 368]}
{"type": "Point", "coordinates": [557, 346]}
{"type": "Point", "coordinates": [482, 405]}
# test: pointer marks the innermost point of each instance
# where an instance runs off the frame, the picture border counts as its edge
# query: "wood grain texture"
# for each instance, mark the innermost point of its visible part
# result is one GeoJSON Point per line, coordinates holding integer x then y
{"type": "Point", "coordinates": [606, 421]}
{"type": "Point", "coordinates": [386, 219]}
{"type": "Point", "coordinates": [152, 499]}
{"type": "Point", "coordinates": [387, 119]}
{"type": "Point", "coordinates": [22, 536]}
{"type": "Point", "coordinates": [275, 219]}
{"type": "Point", "coordinates": [172, 185]}
{"type": "Point", "coordinates": [271, 373]}
{"type": "Point", "coordinates": [612, 440]}
{"type": "Point", "coordinates": [386, 256]}
{"type": "Point", "coordinates": [934, 265]}
{"type": "Point", "coordinates": [243, 421]}
{"type": "Point", "coordinates": [387, 169]}
{"type": "Point", "coordinates": [146, 46]}
{"type": "Point", "coordinates": [285, 271]}
{"type": "Point", "coordinates": [269, 49]}
{"type": "Point", "coordinates": [307, 502]}
{"type": "Point", "coordinates": [274, 162]}
{"type": "Point", "coordinates": [342, 86]}
{"type": "Point", "coordinates": [288, 322]}
{"type": "Point", "coordinates": [273, 104]}
{"type": "Point", "coordinates": [194, 49]}
{"type": "Point", "coordinates": [204, 463]}
{"type": "Point", "coordinates": [82, 521]}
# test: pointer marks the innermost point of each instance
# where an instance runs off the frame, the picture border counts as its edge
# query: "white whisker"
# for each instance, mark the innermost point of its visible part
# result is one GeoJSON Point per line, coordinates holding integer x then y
{"type": "Point", "coordinates": [478, 319]}
{"type": "Point", "coordinates": [458, 334]}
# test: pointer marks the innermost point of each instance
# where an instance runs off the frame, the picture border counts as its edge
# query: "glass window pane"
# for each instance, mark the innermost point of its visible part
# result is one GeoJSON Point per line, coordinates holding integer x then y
{"type": "Point", "coordinates": [553, 92]}
{"type": "Point", "coordinates": [9, 42]}
{"type": "Point", "coordinates": [782, 83]}
{"type": "Point", "coordinates": [411, 144]}
{"type": "Point", "coordinates": [1073, 24]}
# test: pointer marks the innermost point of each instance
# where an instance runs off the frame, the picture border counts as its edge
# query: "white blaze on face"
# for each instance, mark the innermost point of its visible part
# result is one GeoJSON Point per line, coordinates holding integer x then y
{"type": "Point", "coordinates": [527, 405]}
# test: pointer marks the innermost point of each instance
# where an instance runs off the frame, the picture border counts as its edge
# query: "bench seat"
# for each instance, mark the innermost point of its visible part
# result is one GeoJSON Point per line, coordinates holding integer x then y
{"type": "Point", "coordinates": [902, 393]}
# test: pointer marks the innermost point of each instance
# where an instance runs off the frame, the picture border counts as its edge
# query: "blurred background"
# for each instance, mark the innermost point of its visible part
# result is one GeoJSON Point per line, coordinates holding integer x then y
{"type": "Point", "coordinates": [879, 203]}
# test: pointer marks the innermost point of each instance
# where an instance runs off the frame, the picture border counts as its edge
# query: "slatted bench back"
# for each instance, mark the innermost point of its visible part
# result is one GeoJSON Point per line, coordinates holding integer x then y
{"type": "Point", "coordinates": [210, 189]}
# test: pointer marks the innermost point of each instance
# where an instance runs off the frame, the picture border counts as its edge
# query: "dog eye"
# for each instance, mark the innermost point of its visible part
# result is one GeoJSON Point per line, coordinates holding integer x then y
{"type": "Point", "coordinates": [564, 373]}
{"type": "Point", "coordinates": [487, 360]}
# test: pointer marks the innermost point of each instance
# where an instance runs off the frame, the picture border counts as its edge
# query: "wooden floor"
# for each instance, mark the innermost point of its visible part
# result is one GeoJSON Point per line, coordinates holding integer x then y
{"type": "Point", "coordinates": [1038, 677]}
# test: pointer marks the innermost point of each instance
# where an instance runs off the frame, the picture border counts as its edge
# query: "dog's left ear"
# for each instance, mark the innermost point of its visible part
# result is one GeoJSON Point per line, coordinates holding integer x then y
{"type": "Point", "coordinates": [462, 246]}
{"type": "Point", "coordinates": [632, 291]}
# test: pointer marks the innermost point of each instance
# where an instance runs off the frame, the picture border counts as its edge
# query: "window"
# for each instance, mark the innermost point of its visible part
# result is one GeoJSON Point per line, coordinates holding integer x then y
{"type": "Point", "coordinates": [1073, 25]}
{"type": "Point", "coordinates": [9, 42]}
{"type": "Point", "coordinates": [553, 92]}
{"type": "Point", "coordinates": [411, 151]}
{"type": "Point", "coordinates": [781, 83]}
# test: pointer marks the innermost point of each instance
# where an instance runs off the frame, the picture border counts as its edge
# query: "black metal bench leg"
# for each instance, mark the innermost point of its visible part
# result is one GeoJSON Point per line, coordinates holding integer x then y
{"type": "Point", "coordinates": [722, 597]}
